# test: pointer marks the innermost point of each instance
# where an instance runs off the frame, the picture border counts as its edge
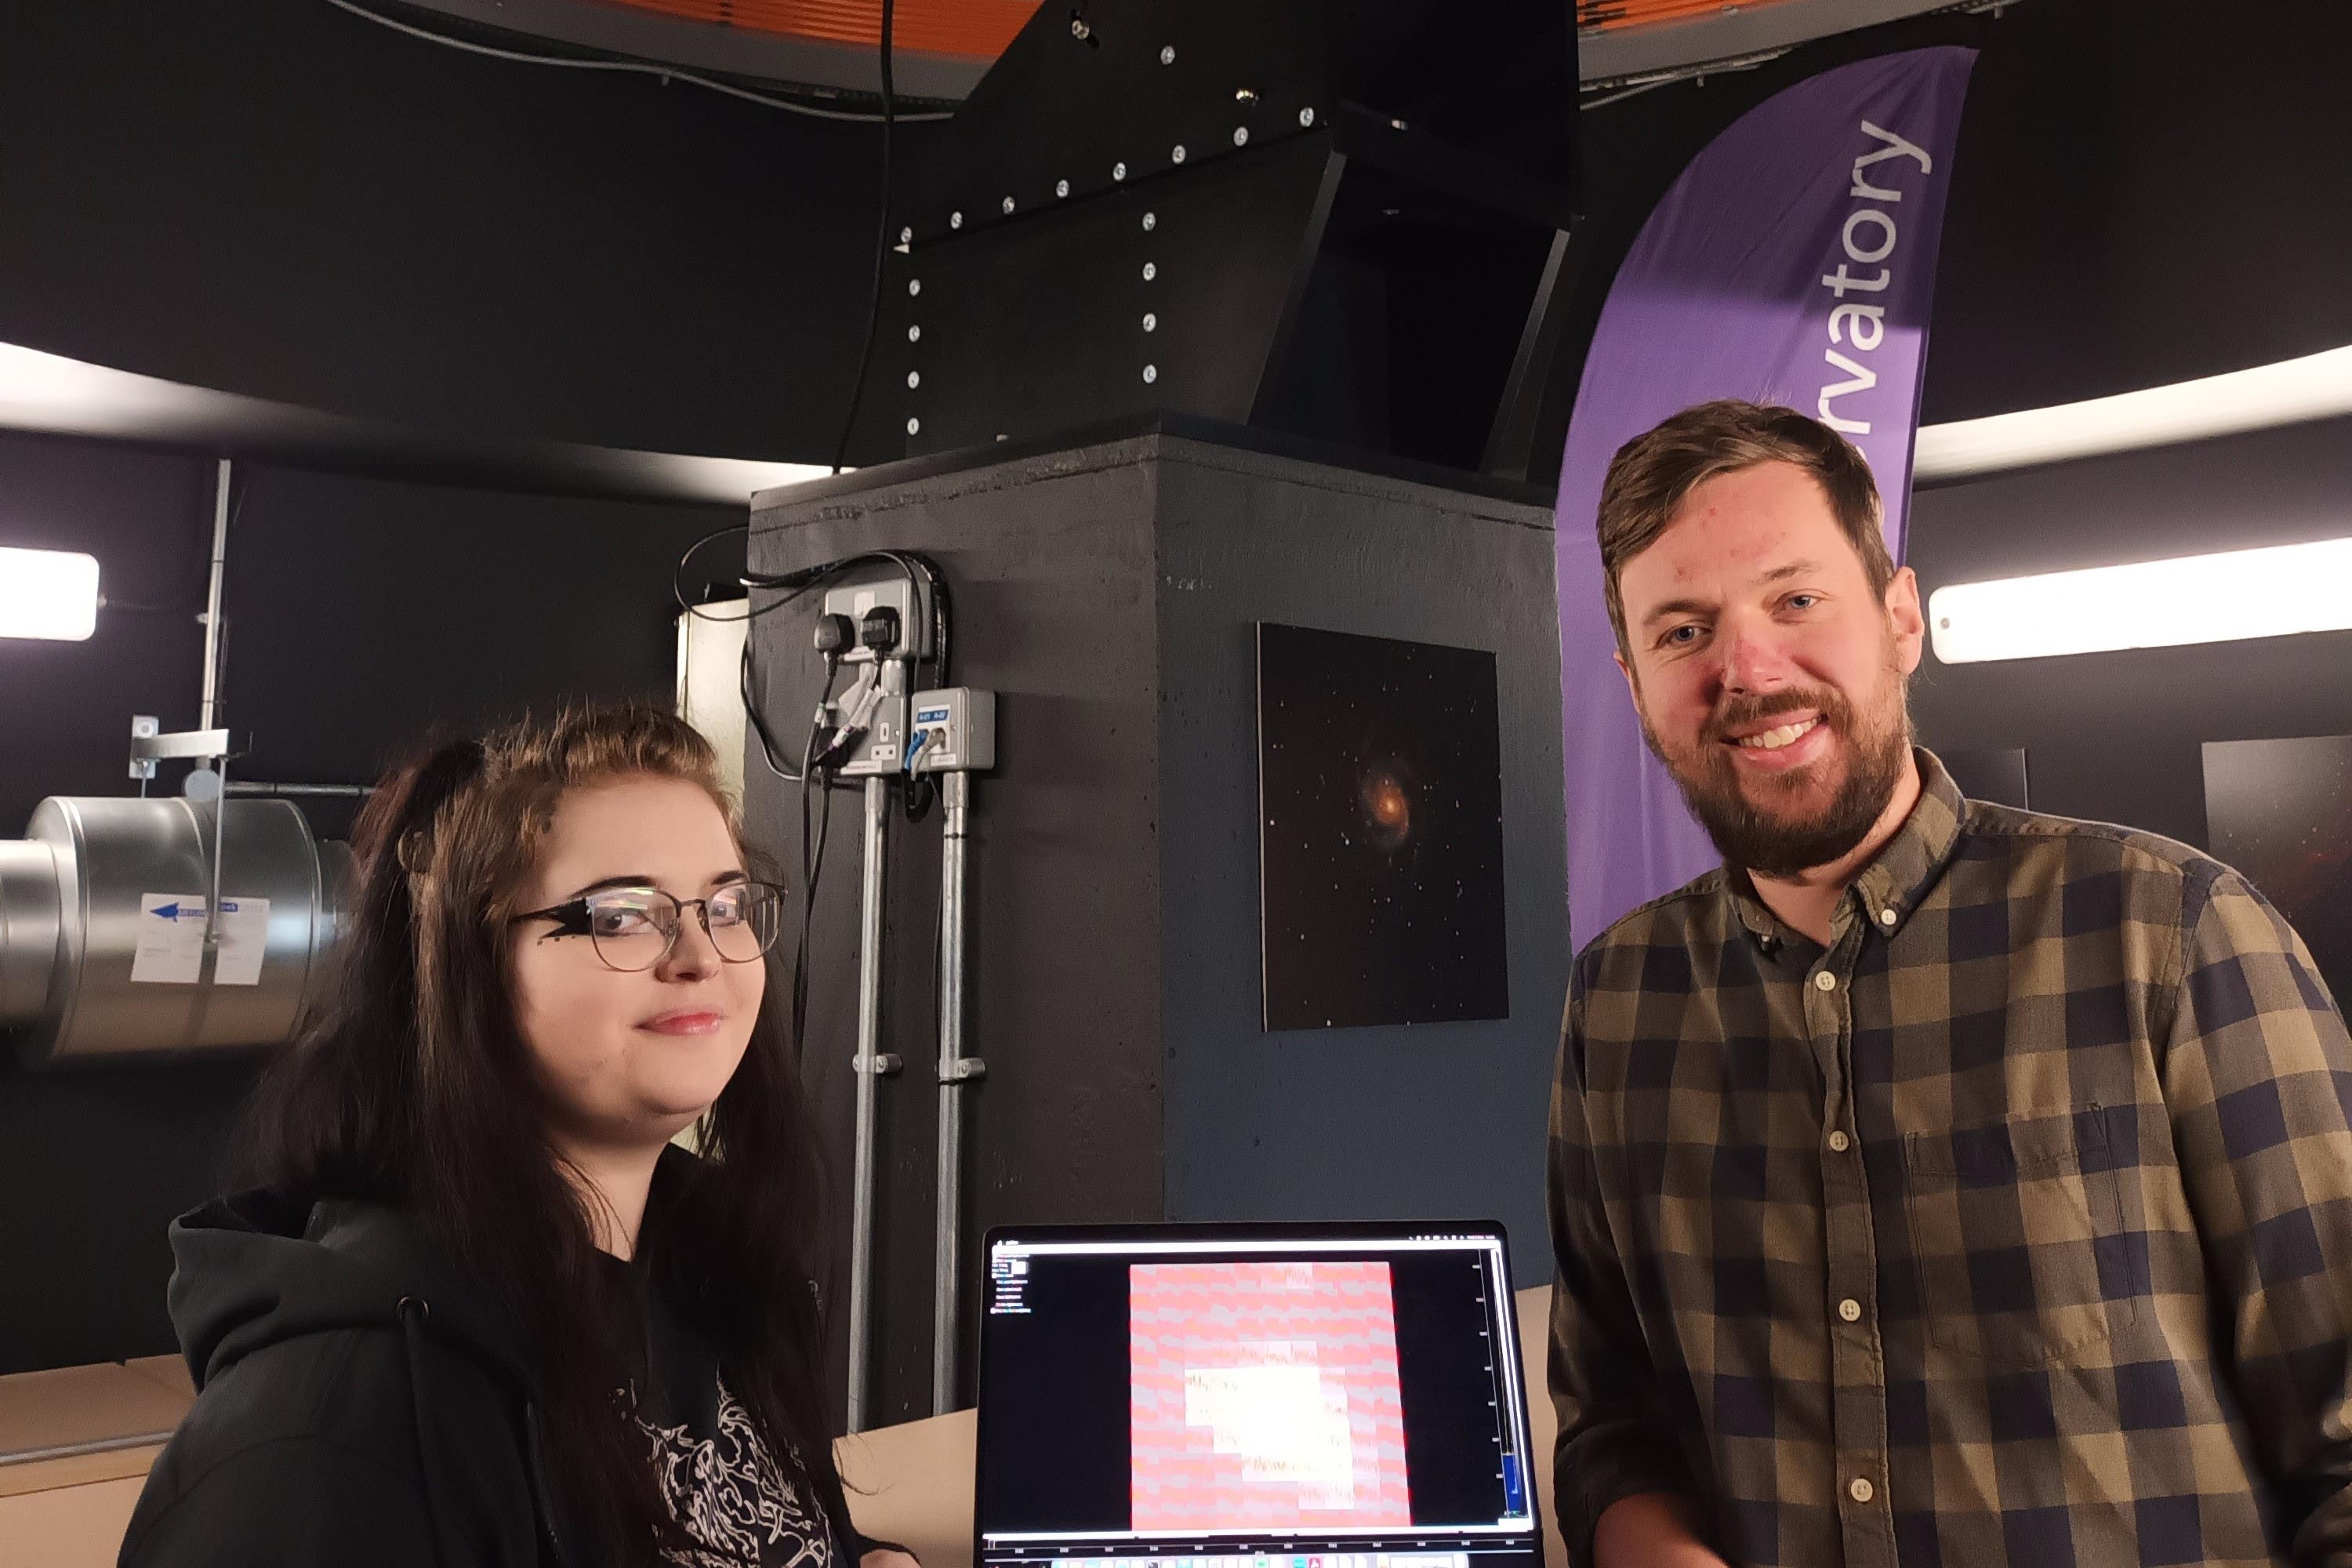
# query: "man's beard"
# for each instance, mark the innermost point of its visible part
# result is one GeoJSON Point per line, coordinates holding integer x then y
{"type": "Point", "coordinates": [1763, 840]}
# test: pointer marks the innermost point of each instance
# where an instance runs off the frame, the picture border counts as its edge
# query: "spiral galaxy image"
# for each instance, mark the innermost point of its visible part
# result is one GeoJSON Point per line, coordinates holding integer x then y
{"type": "Point", "coordinates": [1388, 807]}
{"type": "Point", "coordinates": [1379, 831]}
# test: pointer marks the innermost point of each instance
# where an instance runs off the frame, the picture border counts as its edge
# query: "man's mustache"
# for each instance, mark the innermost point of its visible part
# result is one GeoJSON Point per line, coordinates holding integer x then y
{"type": "Point", "coordinates": [1748, 712]}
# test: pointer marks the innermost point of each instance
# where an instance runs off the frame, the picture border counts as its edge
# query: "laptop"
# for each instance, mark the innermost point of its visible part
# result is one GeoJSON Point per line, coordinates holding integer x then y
{"type": "Point", "coordinates": [1252, 1396]}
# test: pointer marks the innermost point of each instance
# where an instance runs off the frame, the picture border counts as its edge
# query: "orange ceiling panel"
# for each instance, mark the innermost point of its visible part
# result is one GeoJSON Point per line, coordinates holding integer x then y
{"type": "Point", "coordinates": [1607, 16]}
{"type": "Point", "coordinates": [980, 29]}
{"type": "Point", "coordinates": [972, 29]}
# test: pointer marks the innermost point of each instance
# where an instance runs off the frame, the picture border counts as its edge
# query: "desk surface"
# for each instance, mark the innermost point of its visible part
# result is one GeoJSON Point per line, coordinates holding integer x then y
{"type": "Point", "coordinates": [910, 1484]}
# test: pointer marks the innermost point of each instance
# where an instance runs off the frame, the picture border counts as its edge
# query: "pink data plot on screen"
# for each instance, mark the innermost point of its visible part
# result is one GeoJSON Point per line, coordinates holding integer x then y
{"type": "Point", "coordinates": [1264, 1396]}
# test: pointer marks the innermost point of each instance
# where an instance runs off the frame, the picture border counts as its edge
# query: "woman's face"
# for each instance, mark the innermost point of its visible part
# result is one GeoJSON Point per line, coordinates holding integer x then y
{"type": "Point", "coordinates": [630, 1059]}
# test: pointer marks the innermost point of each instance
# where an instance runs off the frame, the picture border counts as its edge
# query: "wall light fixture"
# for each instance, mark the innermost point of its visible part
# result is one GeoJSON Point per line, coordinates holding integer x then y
{"type": "Point", "coordinates": [49, 594]}
{"type": "Point", "coordinates": [2238, 593]}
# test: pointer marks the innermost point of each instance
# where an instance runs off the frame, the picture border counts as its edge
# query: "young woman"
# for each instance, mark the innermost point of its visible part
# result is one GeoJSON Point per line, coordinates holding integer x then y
{"type": "Point", "coordinates": [481, 1311]}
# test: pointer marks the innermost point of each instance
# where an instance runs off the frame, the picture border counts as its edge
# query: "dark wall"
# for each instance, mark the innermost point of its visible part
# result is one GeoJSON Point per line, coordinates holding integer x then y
{"type": "Point", "coordinates": [2118, 736]}
{"type": "Point", "coordinates": [1109, 594]}
{"type": "Point", "coordinates": [1052, 563]}
{"type": "Point", "coordinates": [360, 613]}
{"type": "Point", "coordinates": [275, 197]}
{"type": "Point", "coordinates": [1437, 1121]}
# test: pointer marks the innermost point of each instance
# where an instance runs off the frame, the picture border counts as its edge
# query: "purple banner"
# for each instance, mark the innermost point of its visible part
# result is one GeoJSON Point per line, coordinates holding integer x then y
{"type": "Point", "coordinates": [1793, 262]}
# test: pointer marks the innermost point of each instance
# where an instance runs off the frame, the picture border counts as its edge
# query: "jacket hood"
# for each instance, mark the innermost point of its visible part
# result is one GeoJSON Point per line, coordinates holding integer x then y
{"type": "Point", "coordinates": [257, 1268]}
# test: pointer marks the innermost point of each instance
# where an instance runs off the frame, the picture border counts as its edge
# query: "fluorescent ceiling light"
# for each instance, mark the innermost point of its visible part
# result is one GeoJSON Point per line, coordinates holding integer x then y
{"type": "Point", "coordinates": [2292, 392]}
{"type": "Point", "coordinates": [2238, 593]}
{"type": "Point", "coordinates": [47, 593]}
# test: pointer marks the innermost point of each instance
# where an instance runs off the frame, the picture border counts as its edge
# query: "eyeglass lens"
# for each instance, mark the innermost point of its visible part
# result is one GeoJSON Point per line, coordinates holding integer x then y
{"type": "Point", "coordinates": [634, 928]}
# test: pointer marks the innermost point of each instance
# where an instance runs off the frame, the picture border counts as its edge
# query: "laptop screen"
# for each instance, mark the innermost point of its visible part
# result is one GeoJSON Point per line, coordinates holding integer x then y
{"type": "Point", "coordinates": [1246, 1396]}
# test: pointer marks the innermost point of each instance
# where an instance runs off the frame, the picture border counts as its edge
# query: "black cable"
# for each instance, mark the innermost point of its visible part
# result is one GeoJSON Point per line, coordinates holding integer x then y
{"type": "Point", "coordinates": [810, 869]}
{"type": "Point", "coordinates": [920, 570]}
{"type": "Point", "coordinates": [678, 575]}
{"type": "Point", "coordinates": [939, 623]}
{"type": "Point", "coordinates": [753, 711]}
{"type": "Point", "coordinates": [920, 794]}
{"type": "Point", "coordinates": [796, 584]}
{"type": "Point", "coordinates": [793, 584]}
{"type": "Point", "coordinates": [812, 873]}
{"type": "Point", "coordinates": [881, 241]}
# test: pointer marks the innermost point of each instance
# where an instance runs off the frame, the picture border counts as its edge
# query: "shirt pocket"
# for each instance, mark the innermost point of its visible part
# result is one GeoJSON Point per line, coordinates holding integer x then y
{"type": "Point", "coordinates": [2017, 1235]}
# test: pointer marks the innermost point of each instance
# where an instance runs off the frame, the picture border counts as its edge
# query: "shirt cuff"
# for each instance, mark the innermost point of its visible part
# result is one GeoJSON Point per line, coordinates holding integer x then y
{"type": "Point", "coordinates": [1602, 1469]}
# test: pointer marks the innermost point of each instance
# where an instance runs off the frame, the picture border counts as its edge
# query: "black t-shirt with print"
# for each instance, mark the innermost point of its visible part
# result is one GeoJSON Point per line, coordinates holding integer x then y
{"type": "Point", "coordinates": [743, 1506]}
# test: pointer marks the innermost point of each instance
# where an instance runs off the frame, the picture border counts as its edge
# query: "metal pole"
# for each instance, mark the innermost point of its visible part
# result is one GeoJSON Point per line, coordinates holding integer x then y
{"type": "Point", "coordinates": [956, 1069]}
{"type": "Point", "coordinates": [209, 714]}
{"type": "Point", "coordinates": [215, 644]}
{"type": "Point", "coordinates": [220, 827]}
{"type": "Point", "coordinates": [869, 1067]}
{"type": "Point", "coordinates": [300, 791]}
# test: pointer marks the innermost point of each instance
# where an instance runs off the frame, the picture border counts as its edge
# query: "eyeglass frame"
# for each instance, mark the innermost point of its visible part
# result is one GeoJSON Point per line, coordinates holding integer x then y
{"type": "Point", "coordinates": [573, 914]}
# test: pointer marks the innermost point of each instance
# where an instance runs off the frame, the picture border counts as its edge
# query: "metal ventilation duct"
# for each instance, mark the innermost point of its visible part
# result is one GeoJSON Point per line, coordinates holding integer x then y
{"type": "Point", "coordinates": [103, 949]}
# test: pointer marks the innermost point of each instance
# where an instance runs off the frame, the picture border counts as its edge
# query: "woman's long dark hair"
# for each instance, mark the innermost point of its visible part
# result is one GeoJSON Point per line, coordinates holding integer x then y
{"type": "Point", "coordinates": [408, 1086]}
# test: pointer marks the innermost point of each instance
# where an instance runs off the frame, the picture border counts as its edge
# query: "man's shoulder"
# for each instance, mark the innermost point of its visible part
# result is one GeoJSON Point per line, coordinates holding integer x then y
{"type": "Point", "coordinates": [1695, 912]}
{"type": "Point", "coordinates": [2032, 845]}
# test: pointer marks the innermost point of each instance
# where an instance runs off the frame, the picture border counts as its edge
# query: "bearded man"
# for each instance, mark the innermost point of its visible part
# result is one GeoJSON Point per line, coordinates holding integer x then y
{"type": "Point", "coordinates": [1935, 1183]}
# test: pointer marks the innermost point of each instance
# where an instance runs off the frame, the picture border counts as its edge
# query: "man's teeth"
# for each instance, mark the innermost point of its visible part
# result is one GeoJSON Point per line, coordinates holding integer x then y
{"type": "Point", "coordinates": [1773, 739]}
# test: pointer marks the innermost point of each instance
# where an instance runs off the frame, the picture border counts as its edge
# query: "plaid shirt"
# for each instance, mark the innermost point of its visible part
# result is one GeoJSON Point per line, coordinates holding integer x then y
{"type": "Point", "coordinates": [2013, 1230]}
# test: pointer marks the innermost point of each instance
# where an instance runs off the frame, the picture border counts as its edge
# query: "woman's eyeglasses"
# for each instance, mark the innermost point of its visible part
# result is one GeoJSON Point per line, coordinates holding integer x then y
{"type": "Point", "coordinates": [634, 928]}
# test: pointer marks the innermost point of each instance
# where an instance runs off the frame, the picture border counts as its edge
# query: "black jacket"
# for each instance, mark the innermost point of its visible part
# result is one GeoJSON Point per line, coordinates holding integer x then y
{"type": "Point", "coordinates": [356, 1404]}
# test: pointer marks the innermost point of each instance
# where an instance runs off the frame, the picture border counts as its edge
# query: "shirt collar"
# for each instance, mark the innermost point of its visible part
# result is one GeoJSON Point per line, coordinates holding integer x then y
{"type": "Point", "coordinates": [1891, 886]}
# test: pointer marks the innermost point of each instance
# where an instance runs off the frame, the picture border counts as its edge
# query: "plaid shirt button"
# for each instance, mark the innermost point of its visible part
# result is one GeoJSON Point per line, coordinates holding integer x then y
{"type": "Point", "coordinates": [1860, 1490]}
{"type": "Point", "coordinates": [1839, 1141]}
{"type": "Point", "coordinates": [1824, 980]}
{"type": "Point", "coordinates": [1850, 1310]}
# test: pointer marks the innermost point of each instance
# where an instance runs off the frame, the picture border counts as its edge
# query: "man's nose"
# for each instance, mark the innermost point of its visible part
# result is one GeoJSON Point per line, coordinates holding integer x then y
{"type": "Point", "coordinates": [1755, 657]}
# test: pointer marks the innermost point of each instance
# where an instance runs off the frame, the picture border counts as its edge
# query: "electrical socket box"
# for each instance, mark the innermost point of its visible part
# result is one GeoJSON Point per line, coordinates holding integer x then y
{"type": "Point", "coordinates": [954, 731]}
{"type": "Point", "coordinates": [878, 585]}
{"type": "Point", "coordinates": [883, 748]}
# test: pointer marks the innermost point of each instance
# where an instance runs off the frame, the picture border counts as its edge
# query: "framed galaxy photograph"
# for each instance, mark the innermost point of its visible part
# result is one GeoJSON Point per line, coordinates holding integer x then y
{"type": "Point", "coordinates": [2281, 812]}
{"type": "Point", "coordinates": [1379, 831]}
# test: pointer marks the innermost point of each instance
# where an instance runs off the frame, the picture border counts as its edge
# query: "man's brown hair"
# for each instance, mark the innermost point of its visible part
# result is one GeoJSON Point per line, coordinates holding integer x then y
{"type": "Point", "coordinates": [1653, 474]}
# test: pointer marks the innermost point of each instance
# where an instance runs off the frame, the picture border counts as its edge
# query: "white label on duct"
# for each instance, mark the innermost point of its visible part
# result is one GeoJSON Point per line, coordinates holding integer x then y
{"type": "Point", "coordinates": [243, 938]}
{"type": "Point", "coordinates": [171, 949]}
{"type": "Point", "coordinates": [171, 941]}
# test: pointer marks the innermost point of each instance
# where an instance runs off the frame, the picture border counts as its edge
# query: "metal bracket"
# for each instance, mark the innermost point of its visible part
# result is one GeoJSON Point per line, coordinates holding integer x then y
{"type": "Point", "coordinates": [964, 1069]}
{"type": "Point", "coordinates": [150, 745]}
{"type": "Point", "coordinates": [143, 727]}
{"type": "Point", "coordinates": [886, 1065]}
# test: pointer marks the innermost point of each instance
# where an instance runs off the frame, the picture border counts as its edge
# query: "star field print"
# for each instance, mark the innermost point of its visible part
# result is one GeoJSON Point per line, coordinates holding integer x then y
{"type": "Point", "coordinates": [1379, 831]}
